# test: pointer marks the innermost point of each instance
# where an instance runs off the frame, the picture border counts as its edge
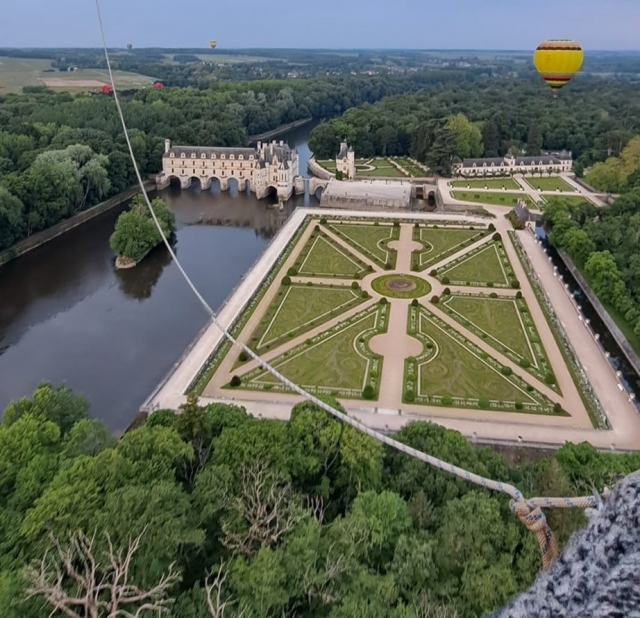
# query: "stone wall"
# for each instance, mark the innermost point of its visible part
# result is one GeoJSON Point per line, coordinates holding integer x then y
{"type": "Point", "coordinates": [317, 170]}
{"type": "Point", "coordinates": [355, 203]}
{"type": "Point", "coordinates": [40, 238]}
{"type": "Point", "coordinates": [613, 328]}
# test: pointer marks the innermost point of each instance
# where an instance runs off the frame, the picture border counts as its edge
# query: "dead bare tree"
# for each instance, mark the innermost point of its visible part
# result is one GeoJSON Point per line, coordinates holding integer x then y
{"type": "Point", "coordinates": [213, 588]}
{"type": "Point", "coordinates": [268, 508]}
{"type": "Point", "coordinates": [77, 584]}
{"type": "Point", "coordinates": [319, 584]}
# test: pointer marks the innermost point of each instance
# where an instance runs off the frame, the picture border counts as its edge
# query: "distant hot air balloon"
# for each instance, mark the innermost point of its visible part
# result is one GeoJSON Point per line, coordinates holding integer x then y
{"type": "Point", "coordinates": [213, 44]}
{"type": "Point", "coordinates": [558, 60]}
{"type": "Point", "coordinates": [129, 45]}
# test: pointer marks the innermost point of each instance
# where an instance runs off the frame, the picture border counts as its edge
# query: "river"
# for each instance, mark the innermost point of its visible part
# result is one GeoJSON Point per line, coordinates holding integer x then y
{"type": "Point", "coordinates": [68, 316]}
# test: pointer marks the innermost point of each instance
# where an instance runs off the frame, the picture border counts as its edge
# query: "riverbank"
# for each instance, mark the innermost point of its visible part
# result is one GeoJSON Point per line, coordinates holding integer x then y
{"type": "Point", "coordinates": [281, 130]}
{"type": "Point", "coordinates": [43, 237]}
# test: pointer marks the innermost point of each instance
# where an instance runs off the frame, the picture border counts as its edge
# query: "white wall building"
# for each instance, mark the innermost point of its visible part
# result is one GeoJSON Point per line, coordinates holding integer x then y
{"type": "Point", "coordinates": [267, 167]}
{"type": "Point", "coordinates": [346, 161]}
{"type": "Point", "coordinates": [554, 162]}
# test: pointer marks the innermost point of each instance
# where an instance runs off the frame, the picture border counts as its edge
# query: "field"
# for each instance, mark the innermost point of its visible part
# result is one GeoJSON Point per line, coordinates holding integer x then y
{"type": "Point", "coordinates": [16, 73]}
{"type": "Point", "coordinates": [553, 183]}
{"type": "Point", "coordinates": [380, 168]}
{"type": "Point", "coordinates": [487, 266]}
{"type": "Point", "coordinates": [489, 183]}
{"type": "Point", "coordinates": [494, 199]}
{"type": "Point", "coordinates": [439, 243]}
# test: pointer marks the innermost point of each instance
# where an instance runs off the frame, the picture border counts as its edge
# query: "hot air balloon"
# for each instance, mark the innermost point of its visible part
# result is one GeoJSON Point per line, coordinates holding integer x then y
{"type": "Point", "coordinates": [558, 60]}
{"type": "Point", "coordinates": [129, 45]}
{"type": "Point", "coordinates": [213, 44]}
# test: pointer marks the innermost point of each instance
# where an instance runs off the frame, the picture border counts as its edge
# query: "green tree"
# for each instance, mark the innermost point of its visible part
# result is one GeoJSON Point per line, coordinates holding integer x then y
{"type": "Point", "coordinates": [468, 136]}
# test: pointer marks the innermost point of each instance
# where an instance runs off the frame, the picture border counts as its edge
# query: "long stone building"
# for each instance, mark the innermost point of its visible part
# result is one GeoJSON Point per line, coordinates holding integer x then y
{"type": "Point", "coordinates": [271, 167]}
{"type": "Point", "coordinates": [553, 162]}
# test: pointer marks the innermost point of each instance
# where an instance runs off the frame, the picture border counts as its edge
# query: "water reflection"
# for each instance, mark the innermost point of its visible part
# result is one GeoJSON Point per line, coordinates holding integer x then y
{"type": "Point", "coordinates": [138, 283]}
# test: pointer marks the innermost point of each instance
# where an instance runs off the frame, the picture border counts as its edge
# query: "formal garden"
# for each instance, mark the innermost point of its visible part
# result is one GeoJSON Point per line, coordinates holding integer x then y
{"type": "Point", "coordinates": [494, 199]}
{"type": "Point", "coordinates": [346, 281]}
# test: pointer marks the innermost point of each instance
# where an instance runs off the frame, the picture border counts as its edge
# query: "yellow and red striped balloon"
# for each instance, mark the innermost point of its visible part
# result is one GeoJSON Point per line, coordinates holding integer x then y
{"type": "Point", "coordinates": [558, 60]}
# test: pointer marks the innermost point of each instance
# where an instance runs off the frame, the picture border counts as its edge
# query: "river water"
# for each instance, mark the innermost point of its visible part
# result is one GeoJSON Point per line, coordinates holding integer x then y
{"type": "Point", "coordinates": [68, 316]}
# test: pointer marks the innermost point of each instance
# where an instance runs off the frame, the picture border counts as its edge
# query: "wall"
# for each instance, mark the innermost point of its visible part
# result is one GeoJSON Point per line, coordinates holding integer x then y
{"type": "Point", "coordinates": [40, 238]}
{"type": "Point", "coordinates": [317, 170]}
{"type": "Point", "coordinates": [616, 333]}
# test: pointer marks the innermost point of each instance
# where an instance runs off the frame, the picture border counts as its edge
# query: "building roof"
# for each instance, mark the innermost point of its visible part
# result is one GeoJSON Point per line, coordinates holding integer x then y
{"type": "Point", "coordinates": [481, 162]}
{"type": "Point", "coordinates": [344, 149]}
{"type": "Point", "coordinates": [538, 160]}
{"type": "Point", "coordinates": [209, 150]}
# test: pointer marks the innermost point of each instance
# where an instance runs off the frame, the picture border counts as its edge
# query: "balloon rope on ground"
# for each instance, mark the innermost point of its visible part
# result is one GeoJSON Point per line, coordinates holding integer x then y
{"type": "Point", "coordinates": [528, 510]}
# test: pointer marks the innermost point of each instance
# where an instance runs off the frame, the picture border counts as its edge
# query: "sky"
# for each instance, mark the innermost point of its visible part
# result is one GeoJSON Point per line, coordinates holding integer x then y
{"type": "Point", "coordinates": [360, 24]}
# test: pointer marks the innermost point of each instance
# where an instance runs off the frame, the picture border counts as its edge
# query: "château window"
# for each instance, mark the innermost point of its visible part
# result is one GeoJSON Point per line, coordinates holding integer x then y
{"type": "Point", "coordinates": [193, 155]}
{"type": "Point", "coordinates": [172, 155]}
{"type": "Point", "coordinates": [203, 156]}
{"type": "Point", "coordinates": [182, 155]}
{"type": "Point", "coordinates": [241, 158]}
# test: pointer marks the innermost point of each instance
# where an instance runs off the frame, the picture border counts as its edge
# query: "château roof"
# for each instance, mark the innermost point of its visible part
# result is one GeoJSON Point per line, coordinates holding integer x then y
{"type": "Point", "coordinates": [344, 150]}
{"type": "Point", "coordinates": [209, 150]}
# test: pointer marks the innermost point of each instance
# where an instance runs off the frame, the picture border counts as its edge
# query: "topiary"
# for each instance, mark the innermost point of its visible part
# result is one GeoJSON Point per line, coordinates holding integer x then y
{"type": "Point", "coordinates": [244, 357]}
{"type": "Point", "coordinates": [323, 220]}
{"type": "Point", "coordinates": [286, 280]}
{"type": "Point", "coordinates": [549, 378]}
{"type": "Point", "coordinates": [383, 301]}
{"type": "Point", "coordinates": [409, 396]}
{"type": "Point", "coordinates": [557, 408]}
{"type": "Point", "coordinates": [435, 300]}
{"type": "Point", "coordinates": [506, 371]}
{"type": "Point", "coordinates": [447, 400]}
{"type": "Point", "coordinates": [235, 381]}
{"type": "Point", "coordinates": [445, 280]}
{"type": "Point", "coordinates": [484, 403]}
{"type": "Point", "coordinates": [492, 228]}
{"type": "Point", "coordinates": [519, 405]}
{"type": "Point", "coordinates": [496, 237]}
{"type": "Point", "coordinates": [493, 295]}
{"type": "Point", "coordinates": [355, 285]}
{"type": "Point", "coordinates": [414, 302]}
{"type": "Point", "coordinates": [369, 392]}
{"type": "Point", "coordinates": [519, 295]}
{"type": "Point", "coordinates": [524, 363]}
{"type": "Point", "coordinates": [446, 292]}
{"type": "Point", "coordinates": [489, 284]}
{"type": "Point", "coordinates": [388, 266]}
{"type": "Point", "coordinates": [292, 272]}
{"type": "Point", "coordinates": [433, 273]}
{"type": "Point", "coordinates": [515, 284]}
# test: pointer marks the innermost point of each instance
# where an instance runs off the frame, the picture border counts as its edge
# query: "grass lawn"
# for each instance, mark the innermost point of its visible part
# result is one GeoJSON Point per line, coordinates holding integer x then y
{"type": "Point", "coordinates": [401, 286]}
{"type": "Point", "coordinates": [389, 172]}
{"type": "Point", "coordinates": [370, 240]}
{"type": "Point", "coordinates": [414, 170]}
{"type": "Point", "coordinates": [489, 183]}
{"type": "Point", "coordinates": [16, 73]}
{"type": "Point", "coordinates": [330, 166]}
{"type": "Point", "coordinates": [488, 264]}
{"type": "Point", "coordinates": [337, 361]}
{"type": "Point", "coordinates": [454, 369]}
{"type": "Point", "coordinates": [552, 183]}
{"type": "Point", "coordinates": [298, 308]}
{"type": "Point", "coordinates": [439, 243]}
{"type": "Point", "coordinates": [322, 257]}
{"type": "Point", "coordinates": [494, 199]}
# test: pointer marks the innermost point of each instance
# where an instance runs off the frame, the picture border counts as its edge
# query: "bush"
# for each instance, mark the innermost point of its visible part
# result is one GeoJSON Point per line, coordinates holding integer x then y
{"type": "Point", "coordinates": [365, 294]}
{"type": "Point", "coordinates": [484, 403]}
{"type": "Point", "coordinates": [309, 284]}
{"type": "Point", "coordinates": [388, 266]}
{"type": "Point", "coordinates": [433, 273]}
{"type": "Point", "coordinates": [286, 280]}
{"type": "Point", "coordinates": [369, 392]}
{"type": "Point", "coordinates": [396, 224]}
{"type": "Point", "coordinates": [446, 292]}
{"type": "Point", "coordinates": [235, 381]}
{"type": "Point", "coordinates": [317, 229]}
{"type": "Point", "coordinates": [414, 302]}
{"type": "Point", "coordinates": [515, 284]}
{"type": "Point", "coordinates": [447, 400]}
{"type": "Point", "coordinates": [416, 225]}
{"type": "Point", "coordinates": [383, 301]}
{"type": "Point", "coordinates": [489, 284]}
{"type": "Point", "coordinates": [445, 280]}
{"type": "Point", "coordinates": [492, 228]}
{"type": "Point", "coordinates": [496, 237]}
{"type": "Point", "coordinates": [409, 396]}
{"type": "Point", "coordinates": [244, 357]}
{"type": "Point", "coordinates": [323, 220]}
{"type": "Point", "coordinates": [292, 272]}
{"type": "Point", "coordinates": [356, 276]}
{"type": "Point", "coordinates": [369, 268]}
{"type": "Point", "coordinates": [506, 371]}
{"type": "Point", "coordinates": [493, 295]}
{"type": "Point", "coordinates": [430, 345]}
{"type": "Point", "coordinates": [519, 405]}
{"type": "Point", "coordinates": [557, 408]}
{"type": "Point", "coordinates": [549, 378]}
{"type": "Point", "coordinates": [519, 295]}
{"type": "Point", "coordinates": [435, 300]}
{"type": "Point", "coordinates": [355, 285]}
{"type": "Point", "coordinates": [524, 363]}
{"type": "Point", "coordinates": [376, 224]}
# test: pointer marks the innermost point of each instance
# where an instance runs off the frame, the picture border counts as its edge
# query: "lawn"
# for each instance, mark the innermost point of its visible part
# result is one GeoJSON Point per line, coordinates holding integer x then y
{"type": "Point", "coordinates": [494, 199]}
{"type": "Point", "coordinates": [388, 172]}
{"type": "Point", "coordinates": [330, 166]}
{"type": "Point", "coordinates": [337, 361]}
{"type": "Point", "coordinates": [454, 368]}
{"type": "Point", "coordinates": [489, 183]}
{"type": "Point", "coordinates": [412, 168]}
{"type": "Point", "coordinates": [370, 240]}
{"type": "Point", "coordinates": [401, 286]}
{"type": "Point", "coordinates": [299, 308]}
{"type": "Point", "coordinates": [487, 264]}
{"type": "Point", "coordinates": [440, 243]}
{"type": "Point", "coordinates": [322, 257]}
{"type": "Point", "coordinates": [553, 183]}
{"type": "Point", "coordinates": [506, 325]}
{"type": "Point", "coordinates": [16, 73]}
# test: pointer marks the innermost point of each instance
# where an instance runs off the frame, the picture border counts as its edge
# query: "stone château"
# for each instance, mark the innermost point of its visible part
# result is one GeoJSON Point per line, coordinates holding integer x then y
{"type": "Point", "coordinates": [346, 161]}
{"type": "Point", "coordinates": [269, 167]}
{"type": "Point", "coordinates": [553, 162]}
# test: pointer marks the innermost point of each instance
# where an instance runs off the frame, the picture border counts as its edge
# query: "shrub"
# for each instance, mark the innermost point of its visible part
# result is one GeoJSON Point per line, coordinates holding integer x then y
{"type": "Point", "coordinates": [506, 371]}
{"type": "Point", "coordinates": [323, 220]}
{"type": "Point", "coordinates": [445, 280]}
{"type": "Point", "coordinates": [235, 381]}
{"type": "Point", "coordinates": [383, 301]}
{"type": "Point", "coordinates": [496, 237]}
{"type": "Point", "coordinates": [396, 224]}
{"type": "Point", "coordinates": [365, 294]}
{"type": "Point", "coordinates": [376, 224]}
{"type": "Point", "coordinates": [519, 295]}
{"type": "Point", "coordinates": [430, 345]}
{"type": "Point", "coordinates": [244, 357]}
{"type": "Point", "coordinates": [433, 273]}
{"type": "Point", "coordinates": [309, 284]}
{"type": "Point", "coordinates": [519, 405]}
{"type": "Point", "coordinates": [492, 228]}
{"type": "Point", "coordinates": [489, 284]}
{"type": "Point", "coordinates": [524, 363]}
{"type": "Point", "coordinates": [286, 280]}
{"type": "Point", "coordinates": [356, 276]}
{"type": "Point", "coordinates": [414, 302]}
{"type": "Point", "coordinates": [317, 228]}
{"type": "Point", "coordinates": [447, 400]}
{"type": "Point", "coordinates": [435, 300]}
{"type": "Point", "coordinates": [484, 403]}
{"type": "Point", "coordinates": [493, 295]}
{"type": "Point", "coordinates": [557, 408]}
{"type": "Point", "coordinates": [368, 392]}
{"type": "Point", "coordinates": [409, 396]}
{"type": "Point", "coordinates": [388, 266]}
{"type": "Point", "coordinates": [292, 272]}
{"type": "Point", "coordinates": [446, 292]}
{"type": "Point", "coordinates": [416, 225]}
{"type": "Point", "coordinates": [369, 268]}
{"type": "Point", "coordinates": [549, 378]}
{"type": "Point", "coordinates": [515, 284]}
{"type": "Point", "coordinates": [355, 285]}
{"type": "Point", "coordinates": [530, 388]}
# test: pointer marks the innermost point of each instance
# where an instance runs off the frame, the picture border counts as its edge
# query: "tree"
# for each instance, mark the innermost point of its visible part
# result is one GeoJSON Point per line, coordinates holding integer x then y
{"type": "Point", "coordinates": [491, 138]}
{"type": "Point", "coordinates": [11, 218]}
{"type": "Point", "coordinates": [607, 176]}
{"type": "Point", "coordinates": [100, 581]}
{"type": "Point", "coordinates": [468, 136]}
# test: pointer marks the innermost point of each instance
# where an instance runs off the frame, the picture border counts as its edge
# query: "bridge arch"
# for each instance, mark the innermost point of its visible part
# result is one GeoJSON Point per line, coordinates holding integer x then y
{"type": "Point", "coordinates": [318, 192]}
{"type": "Point", "coordinates": [174, 181]}
{"type": "Point", "coordinates": [234, 186]}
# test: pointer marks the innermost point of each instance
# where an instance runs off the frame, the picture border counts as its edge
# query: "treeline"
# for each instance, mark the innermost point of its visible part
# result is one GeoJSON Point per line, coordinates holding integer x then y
{"type": "Point", "coordinates": [60, 154]}
{"type": "Point", "coordinates": [594, 118]}
{"type": "Point", "coordinates": [308, 518]}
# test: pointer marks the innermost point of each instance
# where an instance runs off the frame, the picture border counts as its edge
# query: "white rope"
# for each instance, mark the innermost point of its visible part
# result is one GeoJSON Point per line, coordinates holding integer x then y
{"type": "Point", "coordinates": [527, 509]}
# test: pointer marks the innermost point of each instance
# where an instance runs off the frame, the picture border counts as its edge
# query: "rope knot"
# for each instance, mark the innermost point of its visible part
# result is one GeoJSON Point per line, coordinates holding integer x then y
{"type": "Point", "coordinates": [533, 518]}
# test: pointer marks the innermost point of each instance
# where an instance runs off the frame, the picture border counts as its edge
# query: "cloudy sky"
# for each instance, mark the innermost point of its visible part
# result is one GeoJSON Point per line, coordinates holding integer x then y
{"type": "Point", "coordinates": [416, 24]}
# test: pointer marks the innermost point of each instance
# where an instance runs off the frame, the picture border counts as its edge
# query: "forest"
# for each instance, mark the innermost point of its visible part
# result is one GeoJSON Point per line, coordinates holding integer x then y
{"type": "Point", "coordinates": [593, 117]}
{"type": "Point", "coordinates": [216, 513]}
{"type": "Point", "coordinates": [60, 154]}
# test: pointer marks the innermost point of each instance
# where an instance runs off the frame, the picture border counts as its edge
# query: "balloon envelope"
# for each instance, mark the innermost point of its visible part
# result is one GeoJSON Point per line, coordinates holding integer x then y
{"type": "Point", "coordinates": [558, 60]}
{"type": "Point", "coordinates": [213, 44]}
